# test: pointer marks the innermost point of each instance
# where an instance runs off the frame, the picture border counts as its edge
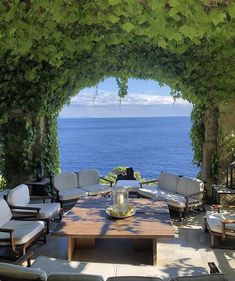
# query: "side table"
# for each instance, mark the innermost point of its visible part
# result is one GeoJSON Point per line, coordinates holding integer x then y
{"type": "Point", "coordinates": [38, 188]}
{"type": "Point", "coordinates": [131, 185]}
{"type": "Point", "coordinates": [221, 190]}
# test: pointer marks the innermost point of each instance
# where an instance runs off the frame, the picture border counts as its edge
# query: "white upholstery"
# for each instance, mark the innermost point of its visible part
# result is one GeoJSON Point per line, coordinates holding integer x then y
{"type": "Point", "coordinates": [19, 196]}
{"type": "Point", "coordinates": [47, 210]}
{"type": "Point", "coordinates": [25, 273]}
{"type": "Point", "coordinates": [23, 230]}
{"type": "Point", "coordinates": [88, 177]}
{"type": "Point", "coordinates": [72, 193]}
{"type": "Point", "coordinates": [96, 189]}
{"type": "Point", "coordinates": [214, 221]}
{"type": "Point", "coordinates": [168, 181]}
{"type": "Point", "coordinates": [65, 181]}
{"type": "Point", "coordinates": [5, 212]}
{"type": "Point", "coordinates": [150, 191]}
{"type": "Point", "coordinates": [187, 186]}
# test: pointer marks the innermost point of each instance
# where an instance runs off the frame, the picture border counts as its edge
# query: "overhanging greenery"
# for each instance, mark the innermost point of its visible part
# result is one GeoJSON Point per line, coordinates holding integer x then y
{"type": "Point", "coordinates": [50, 50]}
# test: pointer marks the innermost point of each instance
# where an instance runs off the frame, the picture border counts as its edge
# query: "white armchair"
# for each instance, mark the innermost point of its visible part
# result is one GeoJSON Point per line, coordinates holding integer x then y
{"type": "Point", "coordinates": [19, 197]}
{"type": "Point", "coordinates": [18, 234]}
{"type": "Point", "coordinates": [220, 222]}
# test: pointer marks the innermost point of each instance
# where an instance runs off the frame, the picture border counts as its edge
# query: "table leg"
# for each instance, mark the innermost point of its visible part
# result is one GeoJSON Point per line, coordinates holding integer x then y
{"type": "Point", "coordinates": [154, 251]}
{"type": "Point", "coordinates": [71, 247]}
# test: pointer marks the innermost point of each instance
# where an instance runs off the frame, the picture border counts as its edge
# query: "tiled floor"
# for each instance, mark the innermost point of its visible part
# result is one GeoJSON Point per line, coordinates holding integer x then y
{"type": "Point", "coordinates": [186, 254]}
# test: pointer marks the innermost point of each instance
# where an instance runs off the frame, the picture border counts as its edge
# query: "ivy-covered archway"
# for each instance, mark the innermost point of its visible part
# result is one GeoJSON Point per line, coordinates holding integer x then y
{"type": "Point", "coordinates": [50, 50]}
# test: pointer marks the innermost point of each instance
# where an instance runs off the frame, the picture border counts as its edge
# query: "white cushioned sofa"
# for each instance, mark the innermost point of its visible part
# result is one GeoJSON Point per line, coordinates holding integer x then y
{"type": "Point", "coordinates": [72, 186]}
{"type": "Point", "coordinates": [180, 193]}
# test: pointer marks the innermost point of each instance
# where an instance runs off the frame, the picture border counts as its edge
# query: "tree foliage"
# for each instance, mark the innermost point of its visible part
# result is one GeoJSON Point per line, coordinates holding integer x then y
{"type": "Point", "coordinates": [50, 50]}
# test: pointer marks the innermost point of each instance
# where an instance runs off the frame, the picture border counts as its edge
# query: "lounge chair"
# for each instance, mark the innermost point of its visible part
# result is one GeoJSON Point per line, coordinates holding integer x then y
{"type": "Point", "coordinates": [19, 197]}
{"type": "Point", "coordinates": [220, 222]}
{"type": "Point", "coordinates": [18, 234]}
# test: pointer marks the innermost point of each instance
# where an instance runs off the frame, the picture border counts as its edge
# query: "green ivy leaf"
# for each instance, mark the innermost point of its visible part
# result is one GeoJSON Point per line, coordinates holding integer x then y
{"type": "Point", "coordinates": [128, 26]}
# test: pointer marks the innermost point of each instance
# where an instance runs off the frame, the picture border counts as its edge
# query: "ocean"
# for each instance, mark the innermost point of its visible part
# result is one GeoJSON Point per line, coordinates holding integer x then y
{"type": "Point", "coordinates": [149, 145]}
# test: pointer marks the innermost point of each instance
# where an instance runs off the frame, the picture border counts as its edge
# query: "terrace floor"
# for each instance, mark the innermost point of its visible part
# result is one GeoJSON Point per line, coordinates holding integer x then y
{"type": "Point", "coordinates": [186, 254]}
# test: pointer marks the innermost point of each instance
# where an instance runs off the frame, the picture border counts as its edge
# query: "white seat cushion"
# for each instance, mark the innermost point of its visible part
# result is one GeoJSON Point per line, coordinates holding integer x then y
{"type": "Point", "coordinates": [19, 196]}
{"type": "Point", "coordinates": [168, 182]}
{"type": "Point", "coordinates": [214, 222]}
{"type": "Point", "coordinates": [187, 186]}
{"type": "Point", "coordinates": [88, 177]}
{"type": "Point", "coordinates": [149, 191]}
{"type": "Point", "coordinates": [65, 181]}
{"type": "Point", "coordinates": [72, 193]}
{"type": "Point", "coordinates": [5, 212]}
{"type": "Point", "coordinates": [96, 189]}
{"type": "Point", "coordinates": [11, 271]}
{"type": "Point", "coordinates": [23, 230]}
{"type": "Point", "coordinates": [47, 210]}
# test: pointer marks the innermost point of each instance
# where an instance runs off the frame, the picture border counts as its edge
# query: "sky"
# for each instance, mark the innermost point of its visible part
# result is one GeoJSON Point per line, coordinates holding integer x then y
{"type": "Point", "coordinates": [146, 98]}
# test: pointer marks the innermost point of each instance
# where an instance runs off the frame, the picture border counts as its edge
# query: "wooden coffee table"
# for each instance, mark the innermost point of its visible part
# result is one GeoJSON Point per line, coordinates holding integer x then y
{"type": "Point", "coordinates": [88, 220]}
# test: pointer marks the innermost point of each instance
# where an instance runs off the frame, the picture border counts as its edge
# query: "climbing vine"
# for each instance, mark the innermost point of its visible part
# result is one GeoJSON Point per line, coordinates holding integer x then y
{"type": "Point", "coordinates": [50, 50]}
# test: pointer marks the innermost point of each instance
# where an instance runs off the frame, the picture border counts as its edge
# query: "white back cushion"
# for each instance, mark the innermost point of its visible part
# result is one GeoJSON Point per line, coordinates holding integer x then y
{"type": "Point", "coordinates": [168, 181]}
{"type": "Point", "coordinates": [19, 196]}
{"type": "Point", "coordinates": [11, 271]}
{"type": "Point", "coordinates": [187, 186]}
{"type": "Point", "coordinates": [88, 177]}
{"type": "Point", "coordinates": [5, 212]}
{"type": "Point", "coordinates": [65, 181]}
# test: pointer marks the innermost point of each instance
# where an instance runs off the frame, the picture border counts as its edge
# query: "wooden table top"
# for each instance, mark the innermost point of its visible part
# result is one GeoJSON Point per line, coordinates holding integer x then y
{"type": "Point", "coordinates": [88, 219]}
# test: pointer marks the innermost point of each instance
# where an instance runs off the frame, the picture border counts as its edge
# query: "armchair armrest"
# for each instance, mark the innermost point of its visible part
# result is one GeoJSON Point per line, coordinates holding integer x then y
{"type": "Point", "coordinates": [27, 212]}
{"type": "Point", "coordinates": [26, 257]}
{"type": "Point", "coordinates": [56, 191]}
{"type": "Point", "coordinates": [218, 208]}
{"type": "Point", "coordinates": [226, 221]}
{"type": "Point", "coordinates": [146, 182]}
{"type": "Point", "coordinates": [7, 230]}
{"type": "Point", "coordinates": [110, 182]}
{"type": "Point", "coordinates": [10, 239]}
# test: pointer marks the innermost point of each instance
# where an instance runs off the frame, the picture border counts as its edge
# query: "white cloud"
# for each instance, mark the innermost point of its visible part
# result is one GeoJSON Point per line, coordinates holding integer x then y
{"type": "Point", "coordinates": [111, 98]}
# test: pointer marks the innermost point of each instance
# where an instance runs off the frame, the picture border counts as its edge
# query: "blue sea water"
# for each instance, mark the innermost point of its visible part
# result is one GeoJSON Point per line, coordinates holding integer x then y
{"type": "Point", "coordinates": [149, 145]}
